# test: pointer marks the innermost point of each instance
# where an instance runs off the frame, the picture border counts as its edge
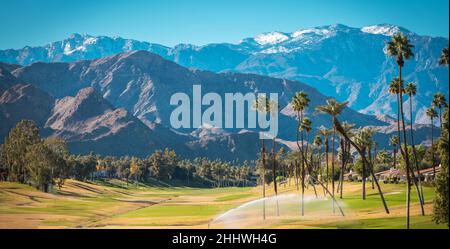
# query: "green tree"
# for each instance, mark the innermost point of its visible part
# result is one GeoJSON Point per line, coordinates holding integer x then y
{"type": "Point", "coordinates": [443, 60]}
{"type": "Point", "coordinates": [16, 145]}
{"type": "Point", "coordinates": [441, 204]}
{"type": "Point", "coordinates": [61, 151]}
{"type": "Point", "coordinates": [432, 114]}
{"type": "Point", "coordinates": [439, 102]}
{"type": "Point", "coordinates": [40, 162]}
{"type": "Point", "coordinates": [325, 134]}
{"type": "Point", "coordinates": [135, 169]}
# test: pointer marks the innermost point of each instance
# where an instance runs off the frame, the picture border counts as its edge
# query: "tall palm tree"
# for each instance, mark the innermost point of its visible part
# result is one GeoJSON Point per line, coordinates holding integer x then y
{"type": "Point", "coordinates": [345, 155]}
{"type": "Point", "coordinates": [318, 143]}
{"type": "Point", "coordinates": [401, 49]}
{"type": "Point", "coordinates": [411, 90]}
{"type": "Point", "coordinates": [333, 108]}
{"type": "Point", "coordinates": [394, 141]}
{"type": "Point", "coordinates": [262, 106]}
{"type": "Point", "coordinates": [432, 114]}
{"type": "Point", "coordinates": [272, 108]}
{"type": "Point", "coordinates": [393, 89]}
{"type": "Point", "coordinates": [306, 127]}
{"type": "Point", "coordinates": [299, 103]}
{"type": "Point", "coordinates": [325, 134]}
{"type": "Point", "coordinates": [440, 102]}
{"type": "Point", "coordinates": [364, 141]}
{"type": "Point", "coordinates": [443, 60]}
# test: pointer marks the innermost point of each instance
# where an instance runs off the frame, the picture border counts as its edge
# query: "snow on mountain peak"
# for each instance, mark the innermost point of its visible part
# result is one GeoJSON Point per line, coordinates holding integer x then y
{"type": "Point", "coordinates": [271, 38]}
{"type": "Point", "coordinates": [316, 31]}
{"type": "Point", "coordinates": [385, 29]}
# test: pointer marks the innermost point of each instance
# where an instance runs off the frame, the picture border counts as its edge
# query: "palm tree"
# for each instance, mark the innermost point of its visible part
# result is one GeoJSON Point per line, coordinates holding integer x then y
{"type": "Point", "coordinates": [325, 134]}
{"type": "Point", "coordinates": [262, 106]}
{"type": "Point", "coordinates": [306, 127]}
{"type": "Point", "coordinates": [394, 141]}
{"type": "Point", "coordinates": [317, 143]}
{"type": "Point", "coordinates": [443, 60]}
{"type": "Point", "coordinates": [272, 108]}
{"type": "Point", "coordinates": [299, 103]}
{"type": "Point", "coordinates": [393, 89]}
{"type": "Point", "coordinates": [364, 141]}
{"type": "Point", "coordinates": [401, 48]}
{"type": "Point", "coordinates": [345, 155]}
{"type": "Point", "coordinates": [334, 108]}
{"type": "Point", "coordinates": [440, 102]}
{"type": "Point", "coordinates": [411, 90]}
{"type": "Point", "coordinates": [432, 114]}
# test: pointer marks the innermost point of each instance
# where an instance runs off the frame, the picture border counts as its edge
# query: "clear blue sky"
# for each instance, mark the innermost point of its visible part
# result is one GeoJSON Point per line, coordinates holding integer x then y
{"type": "Point", "coordinates": [169, 22]}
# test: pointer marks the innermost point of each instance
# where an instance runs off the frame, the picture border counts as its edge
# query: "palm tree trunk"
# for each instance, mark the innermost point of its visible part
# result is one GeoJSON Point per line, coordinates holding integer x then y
{"type": "Point", "coordinates": [303, 167]}
{"type": "Point", "coordinates": [297, 172]}
{"type": "Point", "coordinates": [395, 156]}
{"type": "Point", "coordinates": [405, 151]}
{"type": "Point", "coordinates": [300, 158]}
{"type": "Point", "coordinates": [332, 163]}
{"type": "Point", "coordinates": [342, 167]}
{"type": "Point", "coordinates": [432, 148]}
{"type": "Point", "coordinates": [274, 168]}
{"type": "Point", "coordinates": [363, 173]}
{"type": "Point", "coordinates": [341, 130]}
{"type": "Point", "coordinates": [372, 162]}
{"type": "Point", "coordinates": [263, 153]}
{"type": "Point", "coordinates": [417, 182]}
{"type": "Point", "coordinates": [326, 158]}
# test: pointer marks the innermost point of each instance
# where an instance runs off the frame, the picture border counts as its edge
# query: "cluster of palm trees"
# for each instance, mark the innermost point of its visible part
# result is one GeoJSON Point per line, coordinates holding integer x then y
{"type": "Point", "coordinates": [400, 48]}
{"type": "Point", "coordinates": [307, 171]}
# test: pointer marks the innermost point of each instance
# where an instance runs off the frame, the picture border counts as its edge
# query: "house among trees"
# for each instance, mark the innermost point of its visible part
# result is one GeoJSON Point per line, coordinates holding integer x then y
{"type": "Point", "coordinates": [352, 176]}
{"type": "Point", "coordinates": [396, 176]}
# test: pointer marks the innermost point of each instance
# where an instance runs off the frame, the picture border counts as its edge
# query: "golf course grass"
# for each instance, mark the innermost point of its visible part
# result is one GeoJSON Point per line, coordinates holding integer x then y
{"type": "Point", "coordinates": [116, 204]}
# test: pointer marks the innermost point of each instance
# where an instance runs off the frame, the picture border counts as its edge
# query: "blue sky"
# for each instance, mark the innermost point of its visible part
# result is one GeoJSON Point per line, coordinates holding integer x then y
{"type": "Point", "coordinates": [169, 22]}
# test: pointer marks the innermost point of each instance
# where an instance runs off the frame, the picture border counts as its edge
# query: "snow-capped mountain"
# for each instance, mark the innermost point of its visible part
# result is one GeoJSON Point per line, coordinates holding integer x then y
{"type": "Point", "coordinates": [340, 61]}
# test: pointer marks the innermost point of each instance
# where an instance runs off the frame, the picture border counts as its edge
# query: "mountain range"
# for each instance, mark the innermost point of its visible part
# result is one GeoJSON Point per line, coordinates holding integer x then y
{"type": "Point", "coordinates": [119, 105]}
{"type": "Point", "coordinates": [111, 95]}
{"type": "Point", "coordinates": [340, 61]}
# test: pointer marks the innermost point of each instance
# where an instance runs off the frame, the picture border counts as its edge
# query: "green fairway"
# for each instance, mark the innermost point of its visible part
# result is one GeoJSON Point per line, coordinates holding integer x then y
{"type": "Point", "coordinates": [116, 204]}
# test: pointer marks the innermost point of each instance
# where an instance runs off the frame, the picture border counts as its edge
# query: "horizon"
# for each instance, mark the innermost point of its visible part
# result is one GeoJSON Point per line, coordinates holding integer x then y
{"type": "Point", "coordinates": [199, 23]}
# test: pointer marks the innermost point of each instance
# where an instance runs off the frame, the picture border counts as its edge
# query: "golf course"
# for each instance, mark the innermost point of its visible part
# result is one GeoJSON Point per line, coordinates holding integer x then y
{"type": "Point", "coordinates": [116, 204]}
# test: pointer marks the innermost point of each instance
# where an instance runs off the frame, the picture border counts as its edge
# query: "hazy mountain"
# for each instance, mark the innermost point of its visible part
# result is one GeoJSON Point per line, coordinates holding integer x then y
{"type": "Point", "coordinates": [340, 61]}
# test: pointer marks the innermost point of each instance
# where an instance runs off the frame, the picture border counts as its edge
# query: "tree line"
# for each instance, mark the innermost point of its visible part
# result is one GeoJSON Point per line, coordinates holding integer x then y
{"type": "Point", "coordinates": [27, 158]}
